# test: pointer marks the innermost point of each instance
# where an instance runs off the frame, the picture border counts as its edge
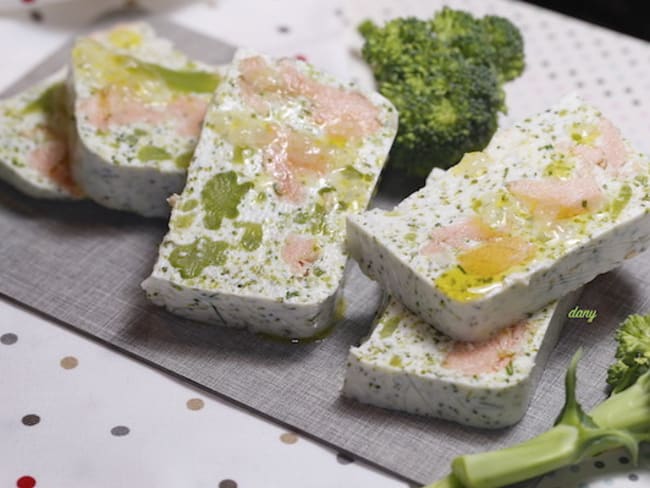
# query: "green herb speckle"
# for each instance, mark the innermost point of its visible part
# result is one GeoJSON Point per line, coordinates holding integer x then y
{"type": "Point", "coordinates": [220, 198]}
{"type": "Point", "coordinates": [191, 259]}
{"type": "Point", "coordinates": [153, 153]}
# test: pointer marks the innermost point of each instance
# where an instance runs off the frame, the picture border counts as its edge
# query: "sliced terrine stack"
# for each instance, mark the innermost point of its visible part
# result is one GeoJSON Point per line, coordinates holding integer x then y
{"type": "Point", "coordinates": [256, 238]}
{"type": "Point", "coordinates": [405, 364]}
{"type": "Point", "coordinates": [139, 106]}
{"type": "Point", "coordinates": [475, 260]}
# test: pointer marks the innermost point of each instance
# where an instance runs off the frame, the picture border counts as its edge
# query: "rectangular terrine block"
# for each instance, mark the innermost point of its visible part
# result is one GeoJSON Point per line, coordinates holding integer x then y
{"type": "Point", "coordinates": [550, 204]}
{"type": "Point", "coordinates": [139, 106]}
{"type": "Point", "coordinates": [256, 239]}
{"type": "Point", "coordinates": [35, 127]}
{"type": "Point", "coordinates": [407, 365]}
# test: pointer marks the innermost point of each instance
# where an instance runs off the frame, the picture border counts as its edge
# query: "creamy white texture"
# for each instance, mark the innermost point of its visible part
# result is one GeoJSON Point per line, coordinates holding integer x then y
{"type": "Point", "coordinates": [137, 132]}
{"type": "Point", "coordinates": [419, 253]}
{"type": "Point", "coordinates": [403, 365]}
{"type": "Point", "coordinates": [255, 247]}
{"type": "Point", "coordinates": [34, 131]}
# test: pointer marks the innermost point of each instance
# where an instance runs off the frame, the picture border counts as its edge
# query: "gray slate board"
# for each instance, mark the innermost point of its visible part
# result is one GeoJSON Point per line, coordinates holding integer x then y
{"type": "Point", "coordinates": [82, 265]}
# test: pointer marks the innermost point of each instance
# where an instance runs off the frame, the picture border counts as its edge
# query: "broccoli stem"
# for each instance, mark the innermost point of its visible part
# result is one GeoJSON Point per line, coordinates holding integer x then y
{"type": "Point", "coordinates": [621, 420]}
{"type": "Point", "coordinates": [546, 452]}
{"type": "Point", "coordinates": [629, 409]}
{"type": "Point", "coordinates": [450, 481]}
{"type": "Point", "coordinates": [561, 446]}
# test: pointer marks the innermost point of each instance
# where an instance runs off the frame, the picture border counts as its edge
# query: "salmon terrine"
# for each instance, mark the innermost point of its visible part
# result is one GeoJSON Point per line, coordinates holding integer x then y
{"type": "Point", "coordinates": [550, 203]}
{"type": "Point", "coordinates": [405, 364]}
{"type": "Point", "coordinates": [34, 130]}
{"type": "Point", "coordinates": [139, 106]}
{"type": "Point", "coordinates": [256, 239]}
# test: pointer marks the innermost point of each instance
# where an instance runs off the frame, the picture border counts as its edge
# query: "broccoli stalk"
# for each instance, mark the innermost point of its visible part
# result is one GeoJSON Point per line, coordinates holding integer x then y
{"type": "Point", "coordinates": [622, 420]}
{"type": "Point", "coordinates": [444, 75]}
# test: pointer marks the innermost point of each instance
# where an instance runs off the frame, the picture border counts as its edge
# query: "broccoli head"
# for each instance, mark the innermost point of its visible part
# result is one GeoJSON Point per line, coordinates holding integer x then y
{"type": "Point", "coordinates": [444, 75]}
{"type": "Point", "coordinates": [508, 46]}
{"type": "Point", "coordinates": [632, 353]}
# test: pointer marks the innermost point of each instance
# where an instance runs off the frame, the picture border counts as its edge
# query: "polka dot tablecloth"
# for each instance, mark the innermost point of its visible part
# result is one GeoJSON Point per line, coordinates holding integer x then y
{"type": "Point", "coordinates": [74, 413]}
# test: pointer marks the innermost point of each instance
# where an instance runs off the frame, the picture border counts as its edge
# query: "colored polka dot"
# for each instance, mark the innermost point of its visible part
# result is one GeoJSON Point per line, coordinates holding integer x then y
{"type": "Point", "coordinates": [227, 484]}
{"type": "Point", "coordinates": [69, 362]}
{"type": "Point", "coordinates": [633, 477]}
{"type": "Point", "coordinates": [195, 404]}
{"type": "Point", "coordinates": [30, 419]}
{"type": "Point", "coordinates": [120, 430]}
{"type": "Point", "coordinates": [36, 15]}
{"type": "Point", "coordinates": [623, 460]}
{"type": "Point", "coordinates": [289, 438]}
{"type": "Point", "coordinates": [284, 29]}
{"type": "Point", "coordinates": [343, 458]}
{"type": "Point", "coordinates": [599, 464]}
{"type": "Point", "coordinates": [8, 339]}
{"type": "Point", "coordinates": [25, 482]}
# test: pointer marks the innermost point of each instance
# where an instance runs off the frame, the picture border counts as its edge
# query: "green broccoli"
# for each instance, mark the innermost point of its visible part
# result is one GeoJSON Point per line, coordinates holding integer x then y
{"type": "Point", "coordinates": [492, 41]}
{"type": "Point", "coordinates": [632, 354]}
{"type": "Point", "coordinates": [508, 45]}
{"type": "Point", "coordinates": [622, 420]}
{"type": "Point", "coordinates": [444, 76]}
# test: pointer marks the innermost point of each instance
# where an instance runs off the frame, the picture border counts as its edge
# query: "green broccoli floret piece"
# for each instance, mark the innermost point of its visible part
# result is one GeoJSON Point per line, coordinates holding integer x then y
{"type": "Point", "coordinates": [444, 76]}
{"type": "Point", "coordinates": [632, 353]}
{"type": "Point", "coordinates": [622, 420]}
{"type": "Point", "coordinates": [508, 46]}
{"type": "Point", "coordinates": [493, 41]}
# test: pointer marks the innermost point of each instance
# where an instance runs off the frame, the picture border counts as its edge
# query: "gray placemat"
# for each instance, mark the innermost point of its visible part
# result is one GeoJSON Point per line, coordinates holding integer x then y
{"type": "Point", "coordinates": [82, 265]}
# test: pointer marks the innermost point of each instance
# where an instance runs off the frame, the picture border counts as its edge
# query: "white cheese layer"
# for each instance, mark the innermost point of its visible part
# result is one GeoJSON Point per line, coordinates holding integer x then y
{"type": "Point", "coordinates": [256, 239]}
{"type": "Point", "coordinates": [551, 203]}
{"type": "Point", "coordinates": [139, 106]}
{"type": "Point", "coordinates": [405, 364]}
{"type": "Point", "coordinates": [34, 131]}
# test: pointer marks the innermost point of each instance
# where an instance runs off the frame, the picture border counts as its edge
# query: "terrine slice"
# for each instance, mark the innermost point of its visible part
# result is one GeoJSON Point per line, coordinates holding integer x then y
{"type": "Point", "coordinates": [34, 129]}
{"type": "Point", "coordinates": [256, 239]}
{"type": "Point", "coordinates": [551, 203]}
{"type": "Point", "coordinates": [405, 364]}
{"type": "Point", "coordinates": [139, 107]}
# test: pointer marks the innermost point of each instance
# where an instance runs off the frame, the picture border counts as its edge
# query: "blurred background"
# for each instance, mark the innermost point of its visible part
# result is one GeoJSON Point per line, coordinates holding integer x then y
{"type": "Point", "coordinates": [628, 16]}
